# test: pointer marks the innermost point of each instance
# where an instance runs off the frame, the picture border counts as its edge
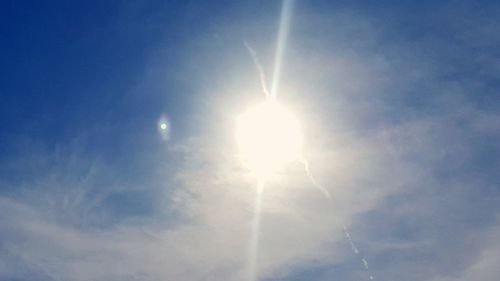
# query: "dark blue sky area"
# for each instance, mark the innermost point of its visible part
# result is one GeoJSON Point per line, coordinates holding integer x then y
{"type": "Point", "coordinates": [68, 67]}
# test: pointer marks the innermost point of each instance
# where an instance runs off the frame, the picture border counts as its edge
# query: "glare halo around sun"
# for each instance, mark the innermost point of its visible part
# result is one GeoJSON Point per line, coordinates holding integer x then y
{"type": "Point", "coordinates": [268, 137]}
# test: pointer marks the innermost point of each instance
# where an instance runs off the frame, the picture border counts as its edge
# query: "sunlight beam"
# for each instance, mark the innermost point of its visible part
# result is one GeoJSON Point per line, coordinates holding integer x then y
{"type": "Point", "coordinates": [254, 234]}
{"type": "Point", "coordinates": [268, 135]}
{"type": "Point", "coordinates": [286, 15]}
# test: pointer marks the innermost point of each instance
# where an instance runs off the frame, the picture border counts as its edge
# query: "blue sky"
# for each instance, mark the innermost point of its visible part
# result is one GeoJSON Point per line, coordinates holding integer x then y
{"type": "Point", "coordinates": [400, 107]}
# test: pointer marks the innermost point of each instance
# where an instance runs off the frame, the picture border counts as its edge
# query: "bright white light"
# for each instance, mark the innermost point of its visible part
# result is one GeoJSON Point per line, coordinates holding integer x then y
{"type": "Point", "coordinates": [268, 137]}
{"type": "Point", "coordinates": [163, 127]}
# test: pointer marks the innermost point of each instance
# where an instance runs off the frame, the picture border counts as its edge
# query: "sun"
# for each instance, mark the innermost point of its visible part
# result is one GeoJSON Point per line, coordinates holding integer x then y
{"type": "Point", "coordinates": [268, 137]}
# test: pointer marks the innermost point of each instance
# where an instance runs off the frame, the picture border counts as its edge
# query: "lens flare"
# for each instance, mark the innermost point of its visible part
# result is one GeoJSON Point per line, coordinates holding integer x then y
{"type": "Point", "coordinates": [163, 127]}
{"type": "Point", "coordinates": [268, 137]}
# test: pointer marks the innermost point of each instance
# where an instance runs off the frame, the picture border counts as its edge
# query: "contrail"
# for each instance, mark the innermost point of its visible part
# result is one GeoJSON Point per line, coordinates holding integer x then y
{"type": "Point", "coordinates": [314, 182]}
{"type": "Point", "coordinates": [354, 249]}
{"type": "Point", "coordinates": [286, 15]}
{"type": "Point", "coordinates": [256, 62]}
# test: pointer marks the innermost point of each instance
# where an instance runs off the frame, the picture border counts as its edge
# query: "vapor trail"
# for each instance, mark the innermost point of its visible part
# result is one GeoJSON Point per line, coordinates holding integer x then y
{"type": "Point", "coordinates": [286, 15]}
{"type": "Point", "coordinates": [356, 251]}
{"type": "Point", "coordinates": [256, 62]}
{"type": "Point", "coordinates": [315, 183]}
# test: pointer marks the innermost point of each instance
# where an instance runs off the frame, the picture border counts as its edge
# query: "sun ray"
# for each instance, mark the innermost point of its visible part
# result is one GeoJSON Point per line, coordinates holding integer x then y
{"type": "Point", "coordinates": [285, 18]}
{"type": "Point", "coordinates": [247, 127]}
{"type": "Point", "coordinates": [255, 233]}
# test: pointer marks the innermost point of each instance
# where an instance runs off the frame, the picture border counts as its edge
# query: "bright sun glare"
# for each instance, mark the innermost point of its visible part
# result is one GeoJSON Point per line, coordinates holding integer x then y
{"type": "Point", "coordinates": [268, 137]}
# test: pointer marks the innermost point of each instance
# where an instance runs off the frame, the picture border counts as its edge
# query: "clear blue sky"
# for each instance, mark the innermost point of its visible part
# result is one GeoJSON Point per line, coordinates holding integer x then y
{"type": "Point", "coordinates": [400, 104]}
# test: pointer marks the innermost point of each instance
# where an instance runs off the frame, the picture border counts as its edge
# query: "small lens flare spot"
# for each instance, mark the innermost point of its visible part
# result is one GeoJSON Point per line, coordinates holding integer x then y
{"type": "Point", "coordinates": [164, 127]}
